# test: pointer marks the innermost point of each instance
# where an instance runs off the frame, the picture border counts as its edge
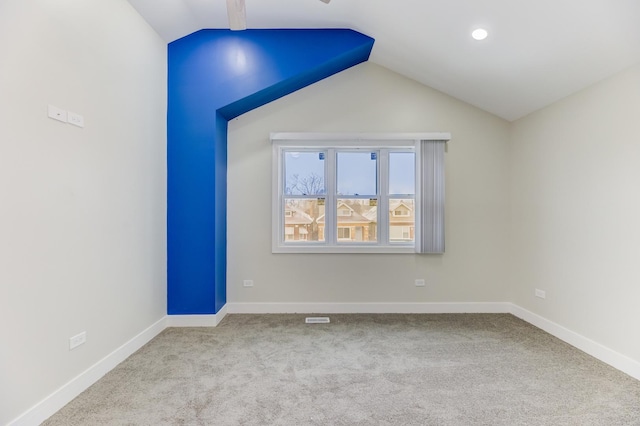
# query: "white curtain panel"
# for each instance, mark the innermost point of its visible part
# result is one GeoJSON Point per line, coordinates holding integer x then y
{"type": "Point", "coordinates": [431, 187]}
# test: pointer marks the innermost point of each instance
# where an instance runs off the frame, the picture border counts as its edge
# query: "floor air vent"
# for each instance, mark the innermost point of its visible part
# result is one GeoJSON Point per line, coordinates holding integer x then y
{"type": "Point", "coordinates": [317, 320]}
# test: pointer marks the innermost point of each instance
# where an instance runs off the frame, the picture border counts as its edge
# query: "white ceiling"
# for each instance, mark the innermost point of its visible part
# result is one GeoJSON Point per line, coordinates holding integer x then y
{"type": "Point", "coordinates": [538, 51]}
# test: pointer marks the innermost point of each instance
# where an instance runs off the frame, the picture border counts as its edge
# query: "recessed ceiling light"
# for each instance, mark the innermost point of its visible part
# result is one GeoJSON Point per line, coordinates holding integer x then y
{"type": "Point", "coordinates": [479, 34]}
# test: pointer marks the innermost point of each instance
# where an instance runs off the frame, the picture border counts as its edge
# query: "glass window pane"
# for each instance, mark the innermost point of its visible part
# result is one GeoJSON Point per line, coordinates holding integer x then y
{"type": "Point", "coordinates": [303, 219]}
{"type": "Point", "coordinates": [402, 220]}
{"type": "Point", "coordinates": [304, 173]}
{"type": "Point", "coordinates": [402, 173]}
{"type": "Point", "coordinates": [357, 220]}
{"type": "Point", "coordinates": [357, 173]}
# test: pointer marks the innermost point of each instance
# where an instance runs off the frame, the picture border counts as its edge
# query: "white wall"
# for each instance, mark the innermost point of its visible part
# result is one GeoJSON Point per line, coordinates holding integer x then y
{"type": "Point", "coordinates": [369, 98]}
{"type": "Point", "coordinates": [82, 211]}
{"type": "Point", "coordinates": [575, 172]}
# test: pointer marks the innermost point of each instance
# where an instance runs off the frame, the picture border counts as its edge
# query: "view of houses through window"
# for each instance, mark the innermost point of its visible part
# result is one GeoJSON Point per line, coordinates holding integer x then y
{"type": "Point", "coordinates": [304, 220]}
{"type": "Point", "coordinates": [357, 195]}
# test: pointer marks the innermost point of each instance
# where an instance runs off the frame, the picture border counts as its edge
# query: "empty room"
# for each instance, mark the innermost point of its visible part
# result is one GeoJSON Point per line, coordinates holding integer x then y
{"type": "Point", "coordinates": [319, 212]}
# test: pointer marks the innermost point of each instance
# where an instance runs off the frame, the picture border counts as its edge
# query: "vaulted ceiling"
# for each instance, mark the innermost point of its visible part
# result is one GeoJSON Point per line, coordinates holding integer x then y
{"type": "Point", "coordinates": [537, 51]}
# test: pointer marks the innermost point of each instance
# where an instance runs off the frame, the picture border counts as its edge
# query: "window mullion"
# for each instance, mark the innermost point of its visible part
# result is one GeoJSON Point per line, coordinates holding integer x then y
{"type": "Point", "coordinates": [330, 214]}
{"type": "Point", "coordinates": [279, 231]}
{"type": "Point", "coordinates": [383, 197]}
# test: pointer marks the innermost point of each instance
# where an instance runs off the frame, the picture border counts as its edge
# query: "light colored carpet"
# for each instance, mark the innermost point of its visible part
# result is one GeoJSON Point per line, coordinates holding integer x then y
{"type": "Point", "coordinates": [452, 369]}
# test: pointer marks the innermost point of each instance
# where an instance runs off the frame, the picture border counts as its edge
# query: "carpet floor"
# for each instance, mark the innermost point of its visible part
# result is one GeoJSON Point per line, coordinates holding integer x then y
{"type": "Point", "coordinates": [361, 369]}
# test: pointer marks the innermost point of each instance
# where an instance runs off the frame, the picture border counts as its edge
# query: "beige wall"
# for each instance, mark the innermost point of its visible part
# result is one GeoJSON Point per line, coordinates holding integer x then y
{"type": "Point", "coordinates": [369, 98]}
{"type": "Point", "coordinates": [575, 193]}
{"type": "Point", "coordinates": [82, 211]}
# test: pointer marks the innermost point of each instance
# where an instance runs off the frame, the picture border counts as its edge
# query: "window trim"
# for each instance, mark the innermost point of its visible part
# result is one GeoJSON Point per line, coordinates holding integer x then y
{"type": "Point", "coordinates": [355, 141]}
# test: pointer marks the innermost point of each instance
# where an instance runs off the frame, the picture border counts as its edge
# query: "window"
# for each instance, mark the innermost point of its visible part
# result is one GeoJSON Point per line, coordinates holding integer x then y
{"type": "Point", "coordinates": [400, 233]}
{"type": "Point", "coordinates": [344, 212]}
{"type": "Point", "coordinates": [288, 233]}
{"type": "Point", "coordinates": [344, 233]}
{"type": "Point", "coordinates": [358, 193]}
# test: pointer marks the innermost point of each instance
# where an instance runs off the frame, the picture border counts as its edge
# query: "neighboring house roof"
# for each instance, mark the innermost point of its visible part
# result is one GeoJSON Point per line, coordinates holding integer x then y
{"type": "Point", "coordinates": [371, 215]}
{"type": "Point", "coordinates": [298, 217]}
{"type": "Point", "coordinates": [400, 205]}
{"type": "Point", "coordinates": [354, 217]}
{"type": "Point", "coordinates": [394, 204]}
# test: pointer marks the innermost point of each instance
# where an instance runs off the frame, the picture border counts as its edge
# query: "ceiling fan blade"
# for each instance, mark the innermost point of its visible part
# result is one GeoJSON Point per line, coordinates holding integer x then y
{"type": "Point", "coordinates": [325, 1]}
{"type": "Point", "coordinates": [237, 15]}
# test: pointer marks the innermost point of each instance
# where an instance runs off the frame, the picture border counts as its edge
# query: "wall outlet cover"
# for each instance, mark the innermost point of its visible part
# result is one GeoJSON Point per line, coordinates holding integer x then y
{"type": "Point", "coordinates": [75, 119]}
{"type": "Point", "coordinates": [77, 340]}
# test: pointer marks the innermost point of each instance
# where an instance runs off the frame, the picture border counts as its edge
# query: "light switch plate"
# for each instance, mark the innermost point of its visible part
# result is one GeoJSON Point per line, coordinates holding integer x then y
{"type": "Point", "coordinates": [57, 113]}
{"type": "Point", "coordinates": [75, 119]}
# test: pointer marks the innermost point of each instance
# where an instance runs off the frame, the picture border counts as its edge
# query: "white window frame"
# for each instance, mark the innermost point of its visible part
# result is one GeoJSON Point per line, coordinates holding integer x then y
{"type": "Point", "coordinates": [329, 143]}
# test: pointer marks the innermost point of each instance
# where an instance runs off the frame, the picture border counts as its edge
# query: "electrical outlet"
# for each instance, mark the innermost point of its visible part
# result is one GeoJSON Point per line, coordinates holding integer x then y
{"type": "Point", "coordinates": [77, 340]}
{"type": "Point", "coordinates": [247, 283]}
{"type": "Point", "coordinates": [420, 283]}
{"type": "Point", "coordinates": [541, 293]}
{"type": "Point", "coordinates": [75, 119]}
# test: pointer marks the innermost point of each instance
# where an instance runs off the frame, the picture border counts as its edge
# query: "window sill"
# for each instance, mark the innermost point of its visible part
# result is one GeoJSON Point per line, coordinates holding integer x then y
{"type": "Point", "coordinates": [302, 249]}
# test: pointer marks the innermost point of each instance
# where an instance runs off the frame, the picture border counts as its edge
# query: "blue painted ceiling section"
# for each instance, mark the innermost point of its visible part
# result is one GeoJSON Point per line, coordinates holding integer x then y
{"type": "Point", "coordinates": [214, 76]}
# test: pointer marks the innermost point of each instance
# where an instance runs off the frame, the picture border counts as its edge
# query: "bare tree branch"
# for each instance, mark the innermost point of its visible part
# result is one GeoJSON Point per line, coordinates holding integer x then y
{"type": "Point", "coordinates": [313, 184]}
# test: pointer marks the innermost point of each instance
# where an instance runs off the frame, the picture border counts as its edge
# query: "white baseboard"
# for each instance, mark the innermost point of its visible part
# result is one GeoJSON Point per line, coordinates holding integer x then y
{"type": "Point", "coordinates": [197, 320]}
{"type": "Point", "coordinates": [595, 349]}
{"type": "Point", "coordinates": [50, 405]}
{"type": "Point", "coordinates": [368, 308]}
{"type": "Point", "coordinates": [61, 397]}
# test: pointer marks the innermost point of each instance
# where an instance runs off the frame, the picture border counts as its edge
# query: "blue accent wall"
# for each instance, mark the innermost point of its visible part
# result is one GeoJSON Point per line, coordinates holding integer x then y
{"type": "Point", "coordinates": [215, 76]}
